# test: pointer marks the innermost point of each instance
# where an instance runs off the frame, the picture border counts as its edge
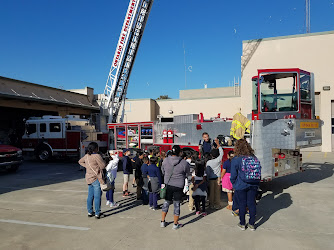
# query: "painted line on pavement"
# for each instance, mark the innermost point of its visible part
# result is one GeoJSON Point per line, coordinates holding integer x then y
{"type": "Point", "coordinates": [50, 190]}
{"type": "Point", "coordinates": [325, 154]}
{"type": "Point", "coordinates": [309, 155]}
{"type": "Point", "coordinates": [44, 225]}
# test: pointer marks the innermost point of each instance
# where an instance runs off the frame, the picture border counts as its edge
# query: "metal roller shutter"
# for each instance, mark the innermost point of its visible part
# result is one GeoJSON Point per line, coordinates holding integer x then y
{"type": "Point", "coordinates": [317, 104]}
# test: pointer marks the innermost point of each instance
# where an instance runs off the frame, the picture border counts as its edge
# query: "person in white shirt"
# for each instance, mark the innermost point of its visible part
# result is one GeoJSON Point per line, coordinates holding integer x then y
{"type": "Point", "coordinates": [213, 171]}
{"type": "Point", "coordinates": [111, 175]}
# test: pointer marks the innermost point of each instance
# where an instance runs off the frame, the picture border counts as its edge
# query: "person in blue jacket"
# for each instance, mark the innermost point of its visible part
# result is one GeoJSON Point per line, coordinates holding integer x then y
{"type": "Point", "coordinates": [154, 183]}
{"type": "Point", "coordinates": [144, 171]}
{"type": "Point", "coordinates": [245, 178]}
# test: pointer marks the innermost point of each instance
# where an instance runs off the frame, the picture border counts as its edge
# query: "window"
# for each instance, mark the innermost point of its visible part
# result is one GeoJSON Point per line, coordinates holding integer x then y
{"type": "Point", "coordinates": [278, 92]}
{"type": "Point", "coordinates": [305, 87]}
{"type": "Point", "coordinates": [42, 127]}
{"type": "Point", "coordinates": [30, 128]}
{"type": "Point", "coordinates": [254, 95]}
{"type": "Point", "coordinates": [55, 127]}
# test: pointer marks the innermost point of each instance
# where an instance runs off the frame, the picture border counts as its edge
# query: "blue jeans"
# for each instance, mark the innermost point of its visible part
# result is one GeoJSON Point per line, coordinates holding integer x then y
{"type": "Point", "coordinates": [94, 193]}
{"type": "Point", "coordinates": [235, 205]}
{"type": "Point", "coordinates": [153, 200]}
{"type": "Point", "coordinates": [246, 198]}
{"type": "Point", "coordinates": [110, 194]}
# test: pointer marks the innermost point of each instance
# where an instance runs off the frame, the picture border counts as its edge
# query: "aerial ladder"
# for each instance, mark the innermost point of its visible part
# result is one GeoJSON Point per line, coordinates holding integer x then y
{"type": "Point", "coordinates": [125, 54]}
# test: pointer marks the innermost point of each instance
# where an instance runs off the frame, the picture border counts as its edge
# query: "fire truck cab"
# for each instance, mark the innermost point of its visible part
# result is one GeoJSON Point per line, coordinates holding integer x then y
{"type": "Point", "coordinates": [54, 136]}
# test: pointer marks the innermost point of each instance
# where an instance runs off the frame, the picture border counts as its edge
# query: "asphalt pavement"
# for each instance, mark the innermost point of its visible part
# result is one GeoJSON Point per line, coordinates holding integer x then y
{"type": "Point", "coordinates": [43, 206]}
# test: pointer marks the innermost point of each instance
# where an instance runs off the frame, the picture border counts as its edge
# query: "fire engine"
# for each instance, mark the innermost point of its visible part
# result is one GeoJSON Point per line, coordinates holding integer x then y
{"type": "Point", "coordinates": [54, 136]}
{"type": "Point", "coordinates": [282, 122]}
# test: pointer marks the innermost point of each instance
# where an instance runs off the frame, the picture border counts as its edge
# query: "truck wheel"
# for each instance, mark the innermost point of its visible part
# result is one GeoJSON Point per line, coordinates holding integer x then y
{"type": "Point", "coordinates": [13, 168]}
{"type": "Point", "coordinates": [43, 154]}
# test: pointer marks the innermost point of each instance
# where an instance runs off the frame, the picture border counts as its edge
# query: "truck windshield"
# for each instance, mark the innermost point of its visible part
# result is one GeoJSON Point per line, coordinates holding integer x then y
{"type": "Point", "coordinates": [30, 128]}
{"type": "Point", "coordinates": [278, 92]}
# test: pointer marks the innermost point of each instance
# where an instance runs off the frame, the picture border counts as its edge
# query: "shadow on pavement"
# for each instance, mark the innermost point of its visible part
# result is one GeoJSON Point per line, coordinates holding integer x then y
{"type": "Point", "coordinates": [36, 174]}
{"type": "Point", "coordinates": [277, 200]}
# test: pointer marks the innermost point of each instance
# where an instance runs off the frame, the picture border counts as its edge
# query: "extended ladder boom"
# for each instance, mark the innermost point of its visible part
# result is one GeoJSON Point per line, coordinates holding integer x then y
{"type": "Point", "coordinates": [125, 54]}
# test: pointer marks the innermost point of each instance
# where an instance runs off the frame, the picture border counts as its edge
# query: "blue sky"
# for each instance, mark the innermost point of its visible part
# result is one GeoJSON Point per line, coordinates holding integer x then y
{"type": "Point", "coordinates": [71, 43]}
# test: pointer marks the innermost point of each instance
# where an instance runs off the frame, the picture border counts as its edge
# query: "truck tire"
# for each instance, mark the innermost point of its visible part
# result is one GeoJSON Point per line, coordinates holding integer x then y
{"type": "Point", "coordinates": [43, 154]}
{"type": "Point", "coordinates": [13, 168]}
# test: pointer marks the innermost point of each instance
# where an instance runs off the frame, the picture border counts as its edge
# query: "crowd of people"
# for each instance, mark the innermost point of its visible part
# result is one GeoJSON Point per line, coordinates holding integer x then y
{"type": "Point", "coordinates": [199, 177]}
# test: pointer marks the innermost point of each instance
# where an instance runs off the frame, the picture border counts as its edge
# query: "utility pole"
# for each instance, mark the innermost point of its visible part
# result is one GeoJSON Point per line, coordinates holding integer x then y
{"type": "Point", "coordinates": [185, 66]}
{"type": "Point", "coordinates": [308, 15]}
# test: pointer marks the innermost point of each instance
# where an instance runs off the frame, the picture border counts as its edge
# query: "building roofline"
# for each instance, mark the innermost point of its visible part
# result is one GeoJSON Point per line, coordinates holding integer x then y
{"type": "Point", "coordinates": [59, 103]}
{"type": "Point", "coordinates": [207, 88]}
{"type": "Point", "coordinates": [43, 86]}
{"type": "Point", "coordinates": [292, 36]}
{"type": "Point", "coordinates": [186, 99]}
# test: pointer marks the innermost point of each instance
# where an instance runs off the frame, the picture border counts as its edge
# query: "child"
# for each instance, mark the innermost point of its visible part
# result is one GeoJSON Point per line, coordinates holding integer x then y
{"type": "Point", "coordinates": [199, 182]}
{"type": "Point", "coordinates": [154, 176]}
{"type": "Point", "coordinates": [111, 175]}
{"type": "Point", "coordinates": [144, 194]}
{"type": "Point", "coordinates": [226, 183]}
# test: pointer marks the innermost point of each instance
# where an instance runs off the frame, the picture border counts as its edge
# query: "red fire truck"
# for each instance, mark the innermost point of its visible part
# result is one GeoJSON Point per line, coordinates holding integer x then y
{"type": "Point", "coordinates": [54, 136]}
{"type": "Point", "coordinates": [282, 123]}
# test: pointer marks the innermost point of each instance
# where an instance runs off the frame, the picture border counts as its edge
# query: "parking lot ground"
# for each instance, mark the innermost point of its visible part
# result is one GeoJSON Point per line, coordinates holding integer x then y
{"type": "Point", "coordinates": [43, 206]}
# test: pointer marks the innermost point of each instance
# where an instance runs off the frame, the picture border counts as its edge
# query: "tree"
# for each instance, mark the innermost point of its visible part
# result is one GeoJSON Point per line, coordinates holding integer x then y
{"type": "Point", "coordinates": [163, 97]}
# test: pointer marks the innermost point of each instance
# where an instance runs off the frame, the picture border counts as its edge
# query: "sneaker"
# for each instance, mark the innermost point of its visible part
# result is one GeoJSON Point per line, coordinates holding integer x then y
{"type": "Point", "coordinates": [251, 227]}
{"type": "Point", "coordinates": [91, 214]}
{"type": "Point", "coordinates": [235, 214]}
{"type": "Point", "coordinates": [204, 214]}
{"type": "Point", "coordinates": [198, 213]}
{"type": "Point", "coordinates": [133, 185]}
{"type": "Point", "coordinates": [163, 224]}
{"type": "Point", "coordinates": [126, 194]}
{"type": "Point", "coordinates": [98, 216]}
{"type": "Point", "coordinates": [154, 209]}
{"type": "Point", "coordinates": [242, 227]}
{"type": "Point", "coordinates": [107, 203]}
{"type": "Point", "coordinates": [177, 226]}
{"type": "Point", "coordinates": [150, 207]}
{"type": "Point", "coordinates": [114, 204]}
{"type": "Point", "coordinates": [247, 214]}
{"type": "Point", "coordinates": [191, 209]}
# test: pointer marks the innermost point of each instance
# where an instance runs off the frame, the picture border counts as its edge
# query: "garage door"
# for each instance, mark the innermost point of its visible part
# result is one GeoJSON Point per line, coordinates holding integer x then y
{"type": "Point", "coordinates": [317, 104]}
{"type": "Point", "coordinates": [332, 125]}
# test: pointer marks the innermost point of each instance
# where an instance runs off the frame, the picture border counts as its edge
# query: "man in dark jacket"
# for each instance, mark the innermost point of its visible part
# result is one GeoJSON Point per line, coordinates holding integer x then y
{"type": "Point", "coordinates": [127, 171]}
{"type": "Point", "coordinates": [138, 174]}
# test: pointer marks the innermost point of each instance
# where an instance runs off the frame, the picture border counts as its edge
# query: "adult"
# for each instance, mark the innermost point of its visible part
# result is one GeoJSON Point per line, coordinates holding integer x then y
{"type": "Point", "coordinates": [112, 174]}
{"type": "Point", "coordinates": [138, 174]}
{"type": "Point", "coordinates": [245, 178]}
{"type": "Point", "coordinates": [175, 170]}
{"type": "Point", "coordinates": [213, 170]}
{"type": "Point", "coordinates": [206, 145]}
{"type": "Point", "coordinates": [127, 171]}
{"type": "Point", "coordinates": [94, 165]}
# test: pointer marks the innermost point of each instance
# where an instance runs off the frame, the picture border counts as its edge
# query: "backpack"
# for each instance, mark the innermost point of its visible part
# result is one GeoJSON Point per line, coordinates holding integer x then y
{"type": "Point", "coordinates": [250, 170]}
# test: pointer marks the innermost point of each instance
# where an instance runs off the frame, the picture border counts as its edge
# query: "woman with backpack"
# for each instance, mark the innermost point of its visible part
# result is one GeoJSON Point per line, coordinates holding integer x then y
{"type": "Point", "coordinates": [245, 178]}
